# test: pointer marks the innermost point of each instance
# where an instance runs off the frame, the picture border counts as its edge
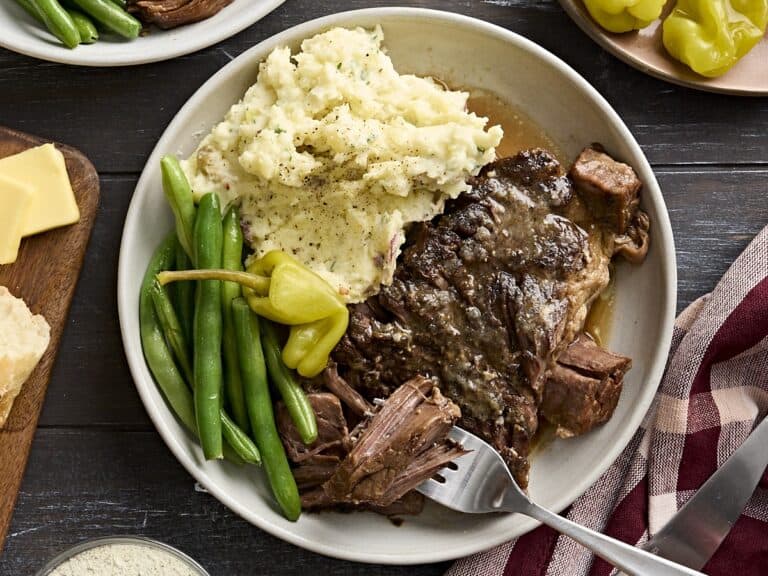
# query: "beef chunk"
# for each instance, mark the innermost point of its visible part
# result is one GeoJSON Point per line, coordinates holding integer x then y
{"type": "Point", "coordinates": [612, 191]}
{"type": "Point", "coordinates": [583, 387]}
{"type": "Point", "coordinates": [611, 188]}
{"type": "Point", "coordinates": [331, 428]}
{"type": "Point", "coordinates": [400, 446]}
{"type": "Point", "coordinates": [172, 13]}
{"type": "Point", "coordinates": [315, 470]}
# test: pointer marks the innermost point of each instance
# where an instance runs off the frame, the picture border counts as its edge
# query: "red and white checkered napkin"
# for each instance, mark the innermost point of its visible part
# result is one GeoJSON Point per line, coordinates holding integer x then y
{"type": "Point", "coordinates": [714, 391]}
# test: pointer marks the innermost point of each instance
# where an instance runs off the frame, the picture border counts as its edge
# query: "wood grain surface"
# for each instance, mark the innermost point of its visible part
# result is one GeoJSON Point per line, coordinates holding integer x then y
{"type": "Point", "coordinates": [44, 275]}
{"type": "Point", "coordinates": [97, 465]}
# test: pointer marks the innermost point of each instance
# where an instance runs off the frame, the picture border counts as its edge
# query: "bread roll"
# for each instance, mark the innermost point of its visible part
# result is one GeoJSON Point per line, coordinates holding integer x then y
{"type": "Point", "coordinates": [23, 340]}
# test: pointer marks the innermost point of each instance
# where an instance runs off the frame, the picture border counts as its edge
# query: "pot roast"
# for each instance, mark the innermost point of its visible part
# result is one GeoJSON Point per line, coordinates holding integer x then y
{"type": "Point", "coordinates": [482, 326]}
{"type": "Point", "coordinates": [489, 300]}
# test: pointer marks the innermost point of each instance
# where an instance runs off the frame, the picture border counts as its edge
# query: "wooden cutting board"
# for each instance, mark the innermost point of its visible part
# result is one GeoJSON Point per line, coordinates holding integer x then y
{"type": "Point", "coordinates": [44, 275]}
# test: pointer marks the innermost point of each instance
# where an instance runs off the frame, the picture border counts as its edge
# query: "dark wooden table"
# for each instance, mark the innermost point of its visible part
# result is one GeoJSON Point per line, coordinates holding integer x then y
{"type": "Point", "coordinates": [97, 465]}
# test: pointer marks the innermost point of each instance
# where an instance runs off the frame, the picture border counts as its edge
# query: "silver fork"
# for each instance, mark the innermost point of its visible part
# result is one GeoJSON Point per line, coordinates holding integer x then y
{"type": "Point", "coordinates": [480, 482]}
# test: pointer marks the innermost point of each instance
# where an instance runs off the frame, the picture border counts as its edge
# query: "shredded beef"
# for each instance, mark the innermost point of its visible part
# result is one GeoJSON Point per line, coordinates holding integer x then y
{"type": "Point", "coordinates": [389, 453]}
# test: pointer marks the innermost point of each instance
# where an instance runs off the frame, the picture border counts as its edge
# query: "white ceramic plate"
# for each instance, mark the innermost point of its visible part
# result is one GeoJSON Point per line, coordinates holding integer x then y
{"type": "Point", "coordinates": [21, 33]}
{"type": "Point", "coordinates": [461, 51]}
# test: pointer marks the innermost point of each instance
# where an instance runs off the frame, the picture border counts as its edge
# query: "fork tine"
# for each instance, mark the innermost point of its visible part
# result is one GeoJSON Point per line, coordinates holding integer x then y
{"type": "Point", "coordinates": [480, 476]}
{"type": "Point", "coordinates": [431, 488]}
{"type": "Point", "coordinates": [458, 435]}
{"type": "Point", "coordinates": [467, 440]}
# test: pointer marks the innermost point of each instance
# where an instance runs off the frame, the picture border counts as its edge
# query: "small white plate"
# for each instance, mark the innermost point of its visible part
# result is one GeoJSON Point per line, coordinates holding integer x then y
{"type": "Point", "coordinates": [21, 33]}
{"type": "Point", "coordinates": [462, 52]}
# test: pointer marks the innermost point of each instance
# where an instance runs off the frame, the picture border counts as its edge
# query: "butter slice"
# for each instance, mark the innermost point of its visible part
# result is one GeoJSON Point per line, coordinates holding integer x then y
{"type": "Point", "coordinates": [15, 203]}
{"type": "Point", "coordinates": [53, 202]}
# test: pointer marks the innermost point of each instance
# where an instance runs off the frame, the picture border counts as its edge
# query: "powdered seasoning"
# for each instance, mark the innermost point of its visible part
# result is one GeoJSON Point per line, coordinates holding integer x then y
{"type": "Point", "coordinates": [124, 560]}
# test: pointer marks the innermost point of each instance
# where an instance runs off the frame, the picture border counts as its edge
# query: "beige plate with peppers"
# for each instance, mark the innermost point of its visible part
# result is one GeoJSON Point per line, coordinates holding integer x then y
{"type": "Point", "coordinates": [644, 50]}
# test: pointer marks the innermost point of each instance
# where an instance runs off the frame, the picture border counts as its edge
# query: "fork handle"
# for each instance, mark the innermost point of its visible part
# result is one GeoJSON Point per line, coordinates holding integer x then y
{"type": "Point", "coordinates": [633, 561]}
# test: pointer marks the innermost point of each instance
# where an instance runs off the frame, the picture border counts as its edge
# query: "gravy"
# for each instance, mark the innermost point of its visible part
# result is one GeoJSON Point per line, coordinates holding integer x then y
{"type": "Point", "coordinates": [522, 133]}
{"type": "Point", "coordinates": [600, 318]}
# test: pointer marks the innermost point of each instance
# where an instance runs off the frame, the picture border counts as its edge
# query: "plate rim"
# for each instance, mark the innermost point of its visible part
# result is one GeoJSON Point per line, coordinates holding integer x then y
{"type": "Point", "coordinates": [191, 43]}
{"type": "Point", "coordinates": [663, 231]}
{"type": "Point", "coordinates": [602, 39]}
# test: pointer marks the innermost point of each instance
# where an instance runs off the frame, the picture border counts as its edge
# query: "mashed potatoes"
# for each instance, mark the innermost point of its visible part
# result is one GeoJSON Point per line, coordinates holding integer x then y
{"type": "Point", "coordinates": [332, 154]}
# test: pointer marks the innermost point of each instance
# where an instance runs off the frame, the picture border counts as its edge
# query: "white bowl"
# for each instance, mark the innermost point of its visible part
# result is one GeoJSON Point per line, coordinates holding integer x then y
{"type": "Point", "coordinates": [461, 51]}
{"type": "Point", "coordinates": [22, 33]}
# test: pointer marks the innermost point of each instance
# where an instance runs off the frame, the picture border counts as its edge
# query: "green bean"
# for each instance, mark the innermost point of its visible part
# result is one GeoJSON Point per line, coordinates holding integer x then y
{"type": "Point", "coordinates": [156, 351]}
{"type": "Point", "coordinates": [179, 195]}
{"type": "Point", "coordinates": [259, 404]}
{"type": "Point", "coordinates": [293, 395]}
{"type": "Point", "coordinates": [171, 327]}
{"type": "Point", "coordinates": [85, 27]}
{"type": "Point", "coordinates": [31, 9]}
{"type": "Point", "coordinates": [232, 259]}
{"type": "Point", "coordinates": [121, 3]}
{"type": "Point", "coordinates": [207, 369]}
{"type": "Point", "coordinates": [58, 21]}
{"type": "Point", "coordinates": [111, 17]}
{"type": "Point", "coordinates": [185, 293]}
{"type": "Point", "coordinates": [239, 440]}
{"type": "Point", "coordinates": [169, 324]}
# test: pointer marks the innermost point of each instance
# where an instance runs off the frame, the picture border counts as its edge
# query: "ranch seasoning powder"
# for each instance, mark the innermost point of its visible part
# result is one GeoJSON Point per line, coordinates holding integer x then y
{"type": "Point", "coordinates": [124, 560]}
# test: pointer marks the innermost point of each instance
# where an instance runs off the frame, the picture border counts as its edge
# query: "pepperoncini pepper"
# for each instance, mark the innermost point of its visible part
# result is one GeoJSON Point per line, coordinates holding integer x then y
{"type": "Point", "coordinates": [309, 345]}
{"type": "Point", "coordinates": [296, 295]}
{"type": "Point", "coordinates": [624, 15]}
{"type": "Point", "coordinates": [303, 300]}
{"type": "Point", "coordinates": [282, 289]}
{"type": "Point", "coordinates": [710, 36]}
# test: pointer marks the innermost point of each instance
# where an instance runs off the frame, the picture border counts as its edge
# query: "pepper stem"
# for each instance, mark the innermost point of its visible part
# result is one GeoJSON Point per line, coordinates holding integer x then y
{"type": "Point", "coordinates": [259, 284]}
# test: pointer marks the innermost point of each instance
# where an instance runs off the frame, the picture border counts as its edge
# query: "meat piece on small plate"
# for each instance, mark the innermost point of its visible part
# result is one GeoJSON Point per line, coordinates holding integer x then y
{"type": "Point", "coordinates": [583, 388]}
{"type": "Point", "coordinates": [173, 13]}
